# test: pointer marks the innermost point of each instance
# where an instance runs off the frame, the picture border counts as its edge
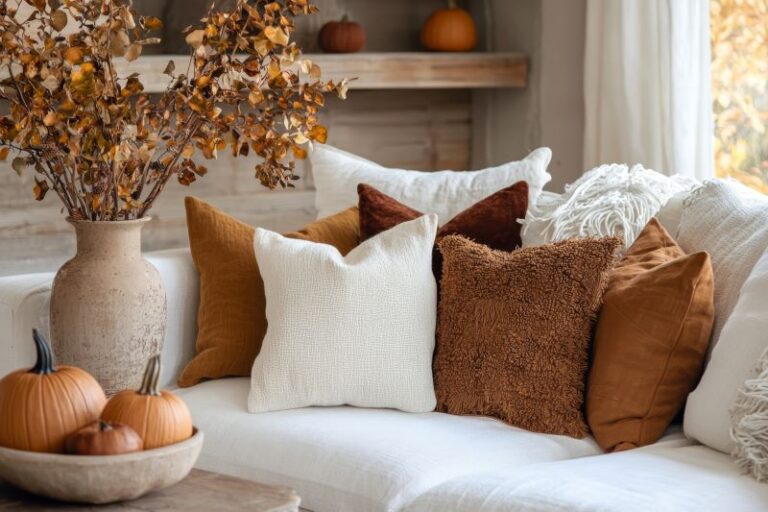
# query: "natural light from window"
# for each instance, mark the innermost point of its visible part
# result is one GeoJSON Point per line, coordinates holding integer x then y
{"type": "Point", "coordinates": [740, 90]}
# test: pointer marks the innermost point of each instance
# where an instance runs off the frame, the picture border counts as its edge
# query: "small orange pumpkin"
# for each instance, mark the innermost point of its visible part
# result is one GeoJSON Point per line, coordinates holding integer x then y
{"type": "Point", "coordinates": [341, 36]}
{"type": "Point", "coordinates": [102, 438]}
{"type": "Point", "coordinates": [40, 407]}
{"type": "Point", "coordinates": [449, 30]}
{"type": "Point", "coordinates": [159, 417]}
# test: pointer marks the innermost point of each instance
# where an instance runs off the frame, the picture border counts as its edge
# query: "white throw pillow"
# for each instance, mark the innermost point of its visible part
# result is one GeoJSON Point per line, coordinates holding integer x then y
{"type": "Point", "coordinates": [356, 330]}
{"type": "Point", "coordinates": [730, 222]}
{"type": "Point", "coordinates": [734, 360]}
{"type": "Point", "coordinates": [610, 200]}
{"type": "Point", "coordinates": [337, 173]}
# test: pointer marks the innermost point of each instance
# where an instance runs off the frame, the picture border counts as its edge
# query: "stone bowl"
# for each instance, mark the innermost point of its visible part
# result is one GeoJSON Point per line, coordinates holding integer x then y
{"type": "Point", "coordinates": [100, 478]}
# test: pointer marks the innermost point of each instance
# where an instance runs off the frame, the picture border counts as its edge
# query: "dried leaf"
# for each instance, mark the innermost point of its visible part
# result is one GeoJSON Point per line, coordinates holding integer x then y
{"type": "Point", "coordinates": [169, 68]}
{"type": "Point", "coordinates": [19, 164]}
{"type": "Point", "coordinates": [40, 189]}
{"type": "Point", "coordinates": [133, 52]}
{"type": "Point", "coordinates": [4, 153]}
{"type": "Point", "coordinates": [119, 43]}
{"type": "Point", "coordinates": [73, 55]}
{"type": "Point", "coordinates": [153, 23]}
{"type": "Point", "coordinates": [276, 35]}
{"type": "Point", "coordinates": [195, 38]}
{"type": "Point", "coordinates": [59, 20]}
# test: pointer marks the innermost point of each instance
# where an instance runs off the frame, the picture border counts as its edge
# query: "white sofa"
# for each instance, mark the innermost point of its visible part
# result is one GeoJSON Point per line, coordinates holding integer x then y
{"type": "Point", "coordinates": [348, 459]}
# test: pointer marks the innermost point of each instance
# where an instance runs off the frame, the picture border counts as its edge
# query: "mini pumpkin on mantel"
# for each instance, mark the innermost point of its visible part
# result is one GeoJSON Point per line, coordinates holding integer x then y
{"type": "Point", "coordinates": [41, 406]}
{"type": "Point", "coordinates": [449, 30]}
{"type": "Point", "coordinates": [159, 417]}
{"type": "Point", "coordinates": [341, 36]}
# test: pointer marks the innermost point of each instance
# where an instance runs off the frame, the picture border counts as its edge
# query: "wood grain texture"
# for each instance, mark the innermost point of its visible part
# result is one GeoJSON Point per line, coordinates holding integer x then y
{"type": "Point", "coordinates": [398, 70]}
{"type": "Point", "coordinates": [201, 491]}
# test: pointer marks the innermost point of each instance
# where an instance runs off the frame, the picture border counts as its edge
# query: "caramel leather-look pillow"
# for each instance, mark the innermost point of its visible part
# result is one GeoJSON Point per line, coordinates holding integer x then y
{"type": "Point", "coordinates": [650, 341]}
{"type": "Point", "coordinates": [231, 319]}
{"type": "Point", "coordinates": [491, 221]}
{"type": "Point", "coordinates": [513, 330]}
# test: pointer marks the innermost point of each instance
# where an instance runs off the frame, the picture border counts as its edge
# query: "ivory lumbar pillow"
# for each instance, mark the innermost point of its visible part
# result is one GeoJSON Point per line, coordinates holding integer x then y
{"type": "Point", "coordinates": [337, 173]}
{"type": "Point", "coordinates": [356, 330]}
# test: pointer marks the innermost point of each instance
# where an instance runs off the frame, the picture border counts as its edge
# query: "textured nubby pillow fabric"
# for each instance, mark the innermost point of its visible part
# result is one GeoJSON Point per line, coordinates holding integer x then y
{"type": "Point", "coordinates": [514, 328]}
{"type": "Point", "coordinates": [492, 221]}
{"type": "Point", "coordinates": [749, 428]}
{"type": "Point", "coordinates": [356, 330]}
{"type": "Point", "coordinates": [337, 173]}
{"type": "Point", "coordinates": [650, 342]}
{"type": "Point", "coordinates": [230, 318]}
{"type": "Point", "coordinates": [728, 221]}
{"type": "Point", "coordinates": [734, 361]}
{"type": "Point", "coordinates": [610, 200]}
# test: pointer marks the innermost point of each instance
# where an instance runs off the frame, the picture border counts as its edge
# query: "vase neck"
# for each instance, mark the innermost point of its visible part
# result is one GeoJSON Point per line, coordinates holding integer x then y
{"type": "Point", "coordinates": [118, 239]}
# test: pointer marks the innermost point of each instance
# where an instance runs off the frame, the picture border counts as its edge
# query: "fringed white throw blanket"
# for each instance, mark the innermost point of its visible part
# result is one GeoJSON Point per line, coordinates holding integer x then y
{"type": "Point", "coordinates": [610, 200]}
{"type": "Point", "coordinates": [749, 424]}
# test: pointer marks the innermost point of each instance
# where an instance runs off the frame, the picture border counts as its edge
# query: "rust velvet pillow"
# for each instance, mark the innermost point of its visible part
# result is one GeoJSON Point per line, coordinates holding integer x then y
{"type": "Point", "coordinates": [231, 320]}
{"type": "Point", "coordinates": [491, 221]}
{"type": "Point", "coordinates": [650, 341]}
{"type": "Point", "coordinates": [513, 330]}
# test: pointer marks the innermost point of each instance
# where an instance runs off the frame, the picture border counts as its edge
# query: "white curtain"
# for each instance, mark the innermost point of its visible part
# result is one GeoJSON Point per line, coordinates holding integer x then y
{"type": "Point", "coordinates": [647, 86]}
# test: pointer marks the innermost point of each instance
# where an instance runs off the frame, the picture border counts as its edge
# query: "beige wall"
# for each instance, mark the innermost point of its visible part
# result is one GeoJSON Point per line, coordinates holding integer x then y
{"type": "Point", "coordinates": [550, 112]}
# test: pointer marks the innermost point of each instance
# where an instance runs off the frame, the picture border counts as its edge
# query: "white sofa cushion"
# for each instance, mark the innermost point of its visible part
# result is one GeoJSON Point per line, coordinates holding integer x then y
{"type": "Point", "coordinates": [352, 459]}
{"type": "Point", "coordinates": [348, 330]}
{"type": "Point", "coordinates": [728, 220]}
{"type": "Point", "coordinates": [664, 477]}
{"type": "Point", "coordinates": [337, 173]}
{"type": "Point", "coordinates": [734, 360]}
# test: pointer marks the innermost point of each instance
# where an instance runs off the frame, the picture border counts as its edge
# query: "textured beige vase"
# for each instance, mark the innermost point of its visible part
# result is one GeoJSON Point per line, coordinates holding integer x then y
{"type": "Point", "coordinates": [108, 308]}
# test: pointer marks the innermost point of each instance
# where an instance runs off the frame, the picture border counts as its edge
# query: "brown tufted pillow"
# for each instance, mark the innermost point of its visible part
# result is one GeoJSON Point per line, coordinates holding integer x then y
{"type": "Point", "coordinates": [651, 340]}
{"type": "Point", "coordinates": [231, 318]}
{"type": "Point", "coordinates": [491, 221]}
{"type": "Point", "coordinates": [513, 330]}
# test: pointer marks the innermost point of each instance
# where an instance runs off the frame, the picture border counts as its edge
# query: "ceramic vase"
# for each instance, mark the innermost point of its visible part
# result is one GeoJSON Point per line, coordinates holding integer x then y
{"type": "Point", "coordinates": [108, 306]}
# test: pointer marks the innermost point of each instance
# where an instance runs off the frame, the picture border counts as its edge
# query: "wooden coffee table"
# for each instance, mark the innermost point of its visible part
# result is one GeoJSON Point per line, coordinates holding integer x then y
{"type": "Point", "coordinates": [201, 491]}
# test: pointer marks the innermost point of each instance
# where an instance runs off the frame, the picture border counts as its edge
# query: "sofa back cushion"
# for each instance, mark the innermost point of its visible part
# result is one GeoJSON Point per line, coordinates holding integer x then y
{"type": "Point", "coordinates": [514, 329]}
{"type": "Point", "coordinates": [734, 360]}
{"type": "Point", "coordinates": [337, 173]}
{"type": "Point", "coordinates": [230, 321]}
{"type": "Point", "coordinates": [651, 338]}
{"type": "Point", "coordinates": [728, 221]}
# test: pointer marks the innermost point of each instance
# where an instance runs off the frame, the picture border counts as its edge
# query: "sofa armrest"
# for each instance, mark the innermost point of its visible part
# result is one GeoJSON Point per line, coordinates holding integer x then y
{"type": "Point", "coordinates": [24, 304]}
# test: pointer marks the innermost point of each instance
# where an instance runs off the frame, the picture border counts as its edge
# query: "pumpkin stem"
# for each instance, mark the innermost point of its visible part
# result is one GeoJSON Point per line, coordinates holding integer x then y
{"type": "Point", "coordinates": [104, 426]}
{"type": "Point", "coordinates": [151, 377]}
{"type": "Point", "coordinates": [44, 364]}
{"type": "Point", "coordinates": [452, 4]}
{"type": "Point", "coordinates": [345, 18]}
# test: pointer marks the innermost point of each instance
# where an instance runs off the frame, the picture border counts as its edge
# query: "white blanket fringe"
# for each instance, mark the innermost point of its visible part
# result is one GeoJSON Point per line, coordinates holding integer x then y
{"type": "Point", "coordinates": [610, 200]}
{"type": "Point", "coordinates": [749, 424]}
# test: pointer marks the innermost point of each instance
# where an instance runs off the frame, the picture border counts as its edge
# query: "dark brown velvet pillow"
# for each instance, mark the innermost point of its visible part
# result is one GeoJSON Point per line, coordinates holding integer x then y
{"type": "Point", "coordinates": [491, 221]}
{"type": "Point", "coordinates": [513, 330]}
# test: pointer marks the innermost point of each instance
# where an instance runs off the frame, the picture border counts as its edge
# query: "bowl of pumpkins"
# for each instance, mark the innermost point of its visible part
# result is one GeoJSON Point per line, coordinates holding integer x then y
{"type": "Point", "coordinates": [60, 437]}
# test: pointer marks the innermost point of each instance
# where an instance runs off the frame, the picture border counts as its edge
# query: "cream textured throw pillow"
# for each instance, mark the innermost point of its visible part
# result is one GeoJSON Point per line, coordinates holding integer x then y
{"type": "Point", "coordinates": [356, 330]}
{"type": "Point", "coordinates": [733, 362]}
{"type": "Point", "coordinates": [730, 222]}
{"type": "Point", "coordinates": [337, 173]}
{"type": "Point", "coordinates": [749, 429]}
{"type": "Point", "coordinates": [610, 200]}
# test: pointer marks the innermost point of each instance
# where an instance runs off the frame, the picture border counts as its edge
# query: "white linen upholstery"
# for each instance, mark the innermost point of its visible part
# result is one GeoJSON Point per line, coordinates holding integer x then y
{"type": "Point", "coordinates": [664, 477]}
{"type": "Point", "coordinates": [348, 330]}
{"type": "Point", "coordinates": [352, 459]}
{"type": "Point", "coordinates": [24, 303]}
{"type": "Point", "coordinates": [728, 220]}
{"type": "Point", "coordinates": [734, 359]}
{"type": "Point", "coordinates": [337, 173]}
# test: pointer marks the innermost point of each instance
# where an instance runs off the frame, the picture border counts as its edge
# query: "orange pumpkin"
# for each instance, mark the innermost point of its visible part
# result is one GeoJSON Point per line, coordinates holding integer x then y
{"type": "Point", "coordinates": [40, 407]}
{"type": "Point", "coordinates": [159, 417]}
{"type": "Point", "coordinates": [102, 438]}
{"type": "Point", "coordinates": [341, 36]}
{"type": "Point", "coordinates": [449, 30]}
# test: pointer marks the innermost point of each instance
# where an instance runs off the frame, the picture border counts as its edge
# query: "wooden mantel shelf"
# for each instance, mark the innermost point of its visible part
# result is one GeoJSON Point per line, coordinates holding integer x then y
{"type": "Point", "coordinates": [411, 70]}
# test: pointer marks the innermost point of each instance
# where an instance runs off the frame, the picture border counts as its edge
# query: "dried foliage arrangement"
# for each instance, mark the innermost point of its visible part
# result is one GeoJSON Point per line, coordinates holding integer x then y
{"type": "Point", "coordinates": [108, 149]}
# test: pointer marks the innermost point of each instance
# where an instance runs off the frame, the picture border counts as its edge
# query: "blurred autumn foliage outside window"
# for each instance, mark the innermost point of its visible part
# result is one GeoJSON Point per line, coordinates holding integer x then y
{"type": "Point", "coordinates": [740, 90]}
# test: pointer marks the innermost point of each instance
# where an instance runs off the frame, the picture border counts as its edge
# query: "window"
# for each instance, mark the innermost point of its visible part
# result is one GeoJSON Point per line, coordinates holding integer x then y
{"type": "Point", "coordinates": [740, 90]}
